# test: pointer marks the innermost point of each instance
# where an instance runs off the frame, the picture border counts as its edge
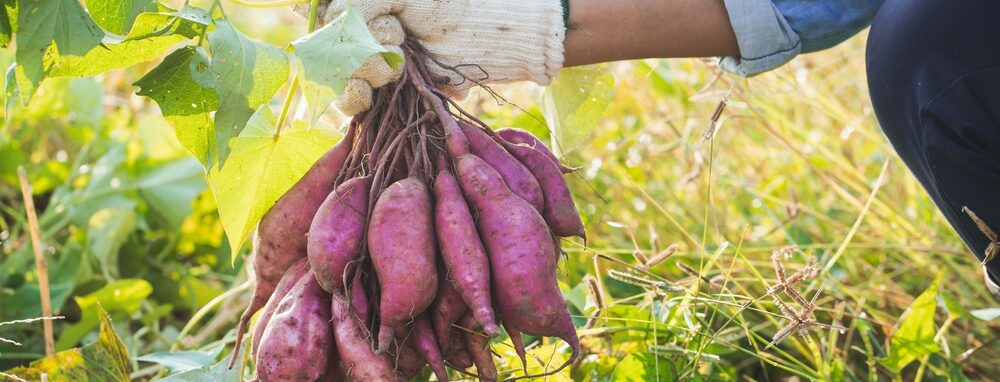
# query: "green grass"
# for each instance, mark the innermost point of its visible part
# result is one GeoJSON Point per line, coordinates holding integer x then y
{"type": "Point", "coordinates": [798, 159]}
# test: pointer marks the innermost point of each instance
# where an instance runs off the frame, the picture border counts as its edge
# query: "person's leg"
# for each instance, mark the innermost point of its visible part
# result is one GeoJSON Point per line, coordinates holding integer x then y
{"type": "Point", "coordinates": [934, 78]}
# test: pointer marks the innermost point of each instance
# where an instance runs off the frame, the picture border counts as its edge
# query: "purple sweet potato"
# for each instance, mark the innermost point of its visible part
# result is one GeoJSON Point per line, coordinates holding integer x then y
{"type": "Point", "coordinates": [422, 337]}
{"type": "Point", "coordinates": [560, 210]}
{"type": "Point", "coordinates": [456, 353]}
{"type": "Point", "coordinates": [517, 177]}
{"type": "Point", "coordinates": [357, 360]}
{"type": "Point", "coordinates": [298, 341]}
{"type": "Point", "coordinates": [479, 349]}
{"type": "Point", "coordinates": [403, 250]}
{"type": "Point", "coordinates": [281, 235]}
{"type": "Point", "coordinates": [288, 281]}
{"type": "Point", "coordinates": [522, 258]}
{"type": "Point", "coordinates": [523, 137]}
{"type": "Point", "coordinates": [518, 341]}
{"type": "Point", "coordinates": [408, 362]}
{"type": "Point", "coordinates": [447, 308]}
{"type": "Point", "coordinates": [337, 232]}
{"type": "Point", "coordinates": [463, 253]}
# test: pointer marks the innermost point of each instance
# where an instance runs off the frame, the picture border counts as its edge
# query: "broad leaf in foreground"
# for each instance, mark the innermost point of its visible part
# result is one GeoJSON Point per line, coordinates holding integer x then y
{"type": "Point", "coordinates": [260, 169]}
{"type": "Point", "coordinates": [42, 22]}
{"type": "Point", "coordinates": [185, 103]}
{"type": "Point", "coordinates": [152, 35]}
{"type": "Point", "coordinates": [117, 16]}
{"type": "Point", "coordinates": [328, 57]}
{"type": "Point", "coordinates": [575, 102]}
{"type": "Point", "coordinates": [103, 361]}
{"type": "Point", "coordinates": [915, 337]}
{"type": "Point", "coordinates": [247, 74]}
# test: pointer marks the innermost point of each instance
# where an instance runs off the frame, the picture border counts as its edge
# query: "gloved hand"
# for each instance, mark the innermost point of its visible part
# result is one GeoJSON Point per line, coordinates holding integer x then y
{"type": "Point", "coordinates": [475, 41]}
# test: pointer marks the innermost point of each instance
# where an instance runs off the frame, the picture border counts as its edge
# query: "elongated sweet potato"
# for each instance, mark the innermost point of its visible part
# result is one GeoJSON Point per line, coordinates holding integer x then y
{"type": "Point", "coordinates": [517, 177]}
{"type": "Point", "coordinates": [519, 136]}
{"type": "Point", "coordinates": [337, 232]}
{"type": "Point", "coordinates": [463, 254]}
{"type": "Point", "coordinates": [560, 210]}
{"type": "Point", "coordinates": [281, 235]}
{"type": "Point", "coordinates": [456, 353]}
{"type": "Point", "coordinates": [522, 258]}
{"type": "Point", "coordinates": [408, 362]}
{"type": "Point", "coordinates": [357, 360]}
{"type": "Point", "coordinates": [403, 250]}
{"type": "Point", "coordinates": [447, 308]}
{"type": "Point", "coordinates": [299, 327]}
{"type": "Point", "coordinates": [479, 349]}
{"type": "Point", "coordinates": [288, 281]}
{"type": "Point", "coordinates": [423, 340]}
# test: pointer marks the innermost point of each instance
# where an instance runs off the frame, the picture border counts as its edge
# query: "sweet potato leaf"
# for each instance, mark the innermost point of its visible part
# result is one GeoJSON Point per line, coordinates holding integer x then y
{"type": "Point", "coordinates": [574, 103]}
{"type": "Point", "coordinates": [247, 73]}
{"type": "Point", "coordinates": [328, 57]}
{"type": "Point", "coordinates": [915, 336]}
{"type": "Point", "coordinates": [260, 169]}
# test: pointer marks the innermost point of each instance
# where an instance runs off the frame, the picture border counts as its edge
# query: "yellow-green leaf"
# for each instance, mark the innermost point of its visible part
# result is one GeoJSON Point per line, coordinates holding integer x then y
{"type": "Point", "coordinates": [106, 360]}
{"type": "Point", "coordinates": [328, 57]}
{"type": "Point", "coordinates": [247, 73]}
{"type": "Point", "coordinates": [575, 102]}
{"type": "Point", "coordinates": [260, 169]}
{"type": "Point", "coordinates": [915, 337]}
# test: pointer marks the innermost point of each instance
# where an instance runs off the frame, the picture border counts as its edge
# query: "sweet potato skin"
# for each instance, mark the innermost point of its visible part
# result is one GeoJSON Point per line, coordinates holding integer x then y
{"type": "Point", "coordinates": [517, 177]}
{"type": "Point", "coordinates": [337, 232]}
{"type": "Point", "coordinates": [522, 256]}
{"type": "Point", "coordinates": [463, 254]}
{"type": "Point", "coordinates": [447, 308]}
{"type": "Point", "coordinates": [423, 340]}
{"type": "Point", "coordinates": [299, 327]}
{"type": "Point", "coordinates": [403, 250]}
{"type": "Point", "coordinates": [357, 359]}
{"type": "Point", "coordinates": [560, 211]}
{"type": "Point", "coordinates": [479, 349]}
{"type": "Point", "coordinates": [523, 137]}
{"type": "Point", "coordinates": [288, 281]}
{"type": "Point", "coordinates": [280, 239]}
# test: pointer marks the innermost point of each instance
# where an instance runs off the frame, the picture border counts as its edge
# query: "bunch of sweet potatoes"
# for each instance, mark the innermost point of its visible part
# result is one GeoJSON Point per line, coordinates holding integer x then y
{"type": "Point", "coordinates": [411, 244]}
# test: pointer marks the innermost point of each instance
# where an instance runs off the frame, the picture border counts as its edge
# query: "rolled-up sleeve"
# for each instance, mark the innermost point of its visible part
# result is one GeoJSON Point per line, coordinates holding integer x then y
{"type": "Point", "coordinates": [772, 32]}
{"type": "Point", "coordinates": [765, 38]}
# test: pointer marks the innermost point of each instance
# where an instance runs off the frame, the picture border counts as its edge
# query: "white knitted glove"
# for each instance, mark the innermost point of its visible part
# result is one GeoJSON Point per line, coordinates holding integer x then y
{"type": "Point", "coordinates": [476, 41]}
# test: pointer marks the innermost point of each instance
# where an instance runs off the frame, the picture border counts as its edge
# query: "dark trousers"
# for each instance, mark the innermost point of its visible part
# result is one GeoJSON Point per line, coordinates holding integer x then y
{"type": "Point", "coordinates": [934, 77]}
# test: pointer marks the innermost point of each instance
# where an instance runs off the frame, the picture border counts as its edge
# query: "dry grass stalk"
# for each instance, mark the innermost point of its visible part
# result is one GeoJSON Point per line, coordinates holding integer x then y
{"type": "Point", "coordinates": [40, 262]}
{"type": "Point", "coordinates": [993, 249]}
{"type": "Point", "coordinates": [804, 319]}
{"type": "Point", "coordinates": [662, 256]}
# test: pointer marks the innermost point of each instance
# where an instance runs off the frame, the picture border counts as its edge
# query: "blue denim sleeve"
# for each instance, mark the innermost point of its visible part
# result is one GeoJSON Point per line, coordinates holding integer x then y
{"type": "Point", "coordinates": [821, 24]}
{"type": "Point", "coordinates": [772, 32]}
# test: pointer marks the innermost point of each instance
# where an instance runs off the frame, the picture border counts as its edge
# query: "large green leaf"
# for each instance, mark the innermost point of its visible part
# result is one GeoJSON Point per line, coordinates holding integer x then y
{"type": "Point", "coordinates": [107, 230]}
{"type": "Point", "coordinates": [185, 103]}
{"type": "Point", "coordinates": [42, 22]}
{"type": "Point", "coordinates": [915, 337]}
{"type": "Point", "coordinates": [261, 169]}
{"type": "Point", "coordinates": [247, 74]}
{"type": "Point", "coordinates": [185, 360]}
{"type": "Point", "coordinates": [328, 57]}
{"type": "Point", "coordinates": [219, 372]}
{"type": "Point", "coordinates": [171, 187]}
{"type": "Point", "coordinates": [117, 16]}
{"type": "Point", "coordinates": [106, 360]}
{"type": "Point", "coordinates": [120, 298]}
{"type": "Point", "coordinates": [575, 102]}
{"type": "Point", "coordinates": [152, 35]}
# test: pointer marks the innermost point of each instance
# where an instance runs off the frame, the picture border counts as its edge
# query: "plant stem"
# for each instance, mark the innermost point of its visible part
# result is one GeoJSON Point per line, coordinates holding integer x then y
{"type": "Point", "coordinates": [40, 262]}
{"type": "Point", "coordinates": [313, 16]}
